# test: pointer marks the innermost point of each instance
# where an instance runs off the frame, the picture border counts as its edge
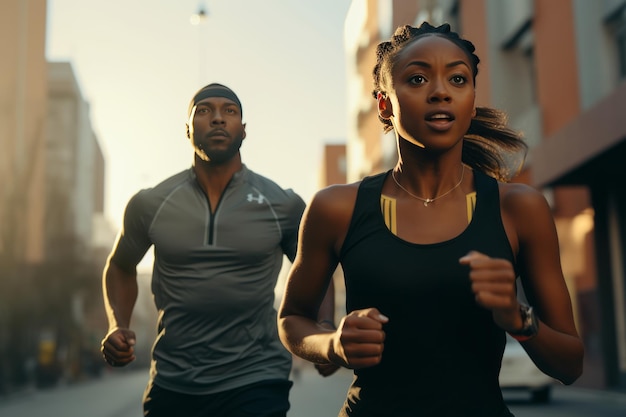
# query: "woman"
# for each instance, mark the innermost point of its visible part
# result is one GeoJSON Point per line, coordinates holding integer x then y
{"type": "Point", "coordinates": [431, 251]}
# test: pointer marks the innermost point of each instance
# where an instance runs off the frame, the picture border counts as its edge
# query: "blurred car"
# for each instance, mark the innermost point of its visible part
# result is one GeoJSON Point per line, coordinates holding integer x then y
{"type": "Point", "coordinates": [518, 372]}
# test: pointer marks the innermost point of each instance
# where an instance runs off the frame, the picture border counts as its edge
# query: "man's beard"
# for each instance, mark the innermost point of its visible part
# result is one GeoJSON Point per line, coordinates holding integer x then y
{"type": "Point", "coordinates": [219, 156]}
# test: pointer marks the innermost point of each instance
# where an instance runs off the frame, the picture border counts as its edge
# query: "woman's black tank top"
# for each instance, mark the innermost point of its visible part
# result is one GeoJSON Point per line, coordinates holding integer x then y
{"type": "Point", "coordinates": [442, 351]}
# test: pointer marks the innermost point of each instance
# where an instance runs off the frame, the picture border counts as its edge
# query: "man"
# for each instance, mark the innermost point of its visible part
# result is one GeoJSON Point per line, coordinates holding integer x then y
{"type": "Point", "coordinates": [219, 233]}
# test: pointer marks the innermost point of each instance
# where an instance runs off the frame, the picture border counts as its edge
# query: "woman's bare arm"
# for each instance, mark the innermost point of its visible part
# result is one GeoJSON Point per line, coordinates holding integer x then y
{"type": "Point", "coordinates": [557, 349]}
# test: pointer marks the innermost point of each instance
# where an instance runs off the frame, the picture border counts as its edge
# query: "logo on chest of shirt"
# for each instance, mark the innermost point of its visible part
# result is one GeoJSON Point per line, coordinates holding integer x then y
{"type": "Point", "coordinates": [260, 198]}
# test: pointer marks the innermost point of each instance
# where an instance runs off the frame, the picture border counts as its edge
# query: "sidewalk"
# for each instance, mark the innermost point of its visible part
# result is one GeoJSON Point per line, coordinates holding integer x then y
{"type": "Point", "coordinates": [315, 396]}
{"type": "Point", "coordinates": [607, 396]}
{"type": "Point", "coordinates": [312, 395]}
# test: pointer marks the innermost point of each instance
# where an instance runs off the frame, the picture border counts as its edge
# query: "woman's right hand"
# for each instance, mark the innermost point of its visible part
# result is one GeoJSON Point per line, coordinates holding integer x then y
{"type": "Point", "coordinates": [359, 340]}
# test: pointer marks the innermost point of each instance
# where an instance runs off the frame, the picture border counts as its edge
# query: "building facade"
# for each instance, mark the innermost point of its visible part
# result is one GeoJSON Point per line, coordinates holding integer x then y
{"type": "Point", "coordinates": [22, 163]}
{"type": "Point", "coordinates": [22, 123]}
{"type": "Point", "coordinates": [334, 165]}
{"type": "Point", "coordinates": [74, 208]}
{"type": "Point", "coordinates": [557, 67]}
{"type": "Point", "coordinates": [74, 161]}
{"type": "Point", "coordinates": [52, 171]}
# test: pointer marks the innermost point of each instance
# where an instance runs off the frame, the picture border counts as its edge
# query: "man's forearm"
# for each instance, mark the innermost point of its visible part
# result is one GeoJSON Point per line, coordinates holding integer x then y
{"type": "Point", "coordinates": [120, 291]}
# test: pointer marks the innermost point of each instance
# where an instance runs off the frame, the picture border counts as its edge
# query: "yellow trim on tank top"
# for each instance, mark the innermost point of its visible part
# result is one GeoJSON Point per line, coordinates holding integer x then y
{"type": "Point", "coordinates": [388, 208]}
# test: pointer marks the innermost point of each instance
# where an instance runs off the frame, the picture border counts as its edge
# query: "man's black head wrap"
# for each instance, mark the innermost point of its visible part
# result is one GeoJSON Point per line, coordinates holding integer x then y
{"type": "Point", "coordinates": [213, 90]}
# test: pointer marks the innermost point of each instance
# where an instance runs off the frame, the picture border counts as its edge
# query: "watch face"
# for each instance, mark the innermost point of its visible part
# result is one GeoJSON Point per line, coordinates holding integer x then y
{"type": "Point", "coordinates": [529, 327]}
{"type": "Point", "coordinates": [530, 322]}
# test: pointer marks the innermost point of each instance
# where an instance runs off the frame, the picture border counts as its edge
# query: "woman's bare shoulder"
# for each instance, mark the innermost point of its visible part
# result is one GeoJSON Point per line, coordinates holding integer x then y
{"type": "Point", "coordinates": [332, 206]}
{"type": "Point", "coordinates": [337, 195]}
{"type": "Point", "coordinates": [528, 210]}
{"type": "Point", "coordinates": [520, 198]}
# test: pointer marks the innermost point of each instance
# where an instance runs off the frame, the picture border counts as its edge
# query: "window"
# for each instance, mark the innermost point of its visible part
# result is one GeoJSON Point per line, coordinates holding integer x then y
{"type": "Point", "coordinates": [616, 24]}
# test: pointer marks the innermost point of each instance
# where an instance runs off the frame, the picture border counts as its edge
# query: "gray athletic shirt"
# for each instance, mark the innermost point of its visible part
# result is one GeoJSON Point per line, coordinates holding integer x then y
{"type": "Point", "coordinates": [213, 278]}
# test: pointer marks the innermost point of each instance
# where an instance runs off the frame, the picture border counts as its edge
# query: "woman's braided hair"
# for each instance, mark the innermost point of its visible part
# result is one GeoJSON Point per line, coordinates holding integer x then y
{"type": "Point", "coordinates": [489, 144]}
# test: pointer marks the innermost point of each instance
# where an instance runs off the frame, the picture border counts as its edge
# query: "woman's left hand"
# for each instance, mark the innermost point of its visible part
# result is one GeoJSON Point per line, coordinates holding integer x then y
{"type": "Point", "coordinates": [493, 284]}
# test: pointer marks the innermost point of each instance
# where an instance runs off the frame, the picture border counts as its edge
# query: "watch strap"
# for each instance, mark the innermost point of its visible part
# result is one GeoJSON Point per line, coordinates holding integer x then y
{"type": "Point", "coordinates": [530, 324]}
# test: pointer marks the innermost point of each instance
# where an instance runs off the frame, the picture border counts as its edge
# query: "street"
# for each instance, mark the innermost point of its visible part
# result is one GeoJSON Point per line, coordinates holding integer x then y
{"type": "Point", "coordinates": [118, 394]}
{"type": "Point", "coordinates": [569, 402]}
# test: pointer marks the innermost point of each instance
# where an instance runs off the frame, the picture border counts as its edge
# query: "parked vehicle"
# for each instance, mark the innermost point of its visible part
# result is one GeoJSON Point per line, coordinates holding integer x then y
{"type": "Point", "coordinates": [520, 373]}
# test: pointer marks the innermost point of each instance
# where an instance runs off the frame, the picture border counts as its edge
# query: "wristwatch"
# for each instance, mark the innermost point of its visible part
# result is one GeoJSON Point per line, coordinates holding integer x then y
{"type": "Point", "coordinates": [530, 324]}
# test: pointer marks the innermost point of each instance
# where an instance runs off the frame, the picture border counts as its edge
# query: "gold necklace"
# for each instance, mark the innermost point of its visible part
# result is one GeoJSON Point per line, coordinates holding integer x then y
{"type": "Point", "coordinates": [427, 201]}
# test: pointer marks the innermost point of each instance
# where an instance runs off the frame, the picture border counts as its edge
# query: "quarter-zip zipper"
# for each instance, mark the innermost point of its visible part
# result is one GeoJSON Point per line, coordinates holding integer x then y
{"type": "Point", "coordinates": [213, 213]}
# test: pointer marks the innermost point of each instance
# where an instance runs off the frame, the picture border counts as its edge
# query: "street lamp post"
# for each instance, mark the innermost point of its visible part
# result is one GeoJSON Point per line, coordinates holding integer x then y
{"type": "Point", "coordinates": [199, 19]}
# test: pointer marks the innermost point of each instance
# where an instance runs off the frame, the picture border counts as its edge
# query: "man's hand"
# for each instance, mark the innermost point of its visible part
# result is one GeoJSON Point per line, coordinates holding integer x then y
{"type": "Point", "coordinates": [118, 347]}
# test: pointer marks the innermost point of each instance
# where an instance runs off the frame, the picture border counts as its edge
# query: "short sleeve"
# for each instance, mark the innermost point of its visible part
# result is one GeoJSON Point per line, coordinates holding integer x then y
{"type": "Point", "coordinates": [133, 240]}
{"type": "Point", "coordinates": [295, 209]}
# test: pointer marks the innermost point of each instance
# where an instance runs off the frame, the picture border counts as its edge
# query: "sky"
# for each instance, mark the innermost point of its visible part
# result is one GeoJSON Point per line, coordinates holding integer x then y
{"type": "Point", "coordinates": [139, 62]}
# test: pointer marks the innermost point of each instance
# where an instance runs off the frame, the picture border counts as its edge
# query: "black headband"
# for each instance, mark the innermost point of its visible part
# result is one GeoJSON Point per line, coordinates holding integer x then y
{"type": "Point", "coordinates": [214, 90]}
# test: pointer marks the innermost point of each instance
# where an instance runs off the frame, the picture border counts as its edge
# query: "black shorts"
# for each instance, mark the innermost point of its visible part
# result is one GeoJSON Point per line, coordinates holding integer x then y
{"type": "Point", "coordinates": [262, 399]}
